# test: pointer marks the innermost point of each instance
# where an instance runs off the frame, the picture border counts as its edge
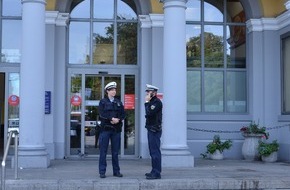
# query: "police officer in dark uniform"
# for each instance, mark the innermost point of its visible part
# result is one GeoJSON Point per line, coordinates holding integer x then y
{"type": "Point", "coordinates": [112, 114]}
{"type": "Point", "coordinates": [153, 115]}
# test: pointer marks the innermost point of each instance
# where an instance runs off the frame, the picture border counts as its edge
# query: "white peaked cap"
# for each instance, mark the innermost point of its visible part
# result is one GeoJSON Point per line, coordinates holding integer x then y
{"type": "Point", "coordinates": [111, 85]}
{"type": "Point", "coordinates": [150, 87]}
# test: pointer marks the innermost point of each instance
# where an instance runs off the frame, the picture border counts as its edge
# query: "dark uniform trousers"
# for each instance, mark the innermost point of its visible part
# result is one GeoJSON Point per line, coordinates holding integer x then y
{"type": "Point", "coordinates": [104, 139]}
{"type": "Point", "coordinates": [155, 153]}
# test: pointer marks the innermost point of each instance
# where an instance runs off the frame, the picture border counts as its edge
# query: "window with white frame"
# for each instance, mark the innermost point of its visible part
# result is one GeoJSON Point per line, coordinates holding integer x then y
{"type": "Point", "coordinates": [103, 32]}
{"type": "Point", "coordinates": [216, 57]}
{"type": "Point", "coordinates": [10, 25]}
{"type": "Point", "coordinates": [285, 75]}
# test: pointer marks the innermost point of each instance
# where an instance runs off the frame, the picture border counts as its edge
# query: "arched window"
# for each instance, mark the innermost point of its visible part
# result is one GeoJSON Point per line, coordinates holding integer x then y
{"type": "Point", "coordinates": [103, 32]}
{"type": "Point", "coordinates": [216, 57]}
{"type": "Point", "coordinates": [10, 24]}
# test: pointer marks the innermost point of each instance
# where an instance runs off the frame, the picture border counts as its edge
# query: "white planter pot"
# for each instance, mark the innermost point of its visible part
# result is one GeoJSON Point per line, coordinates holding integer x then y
{"type": "Point", "coordinates": [217, 155]}
{"type": "Point", "coordinates": [250, 146]}
{"type": "Point", "coordinates": [271, 158]}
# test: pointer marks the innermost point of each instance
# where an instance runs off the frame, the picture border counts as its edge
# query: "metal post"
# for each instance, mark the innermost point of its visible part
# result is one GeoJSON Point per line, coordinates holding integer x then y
{"type": "Point", "coordinates": [16, 155]}
{"type": "Point", "coordinates": [4, 159]}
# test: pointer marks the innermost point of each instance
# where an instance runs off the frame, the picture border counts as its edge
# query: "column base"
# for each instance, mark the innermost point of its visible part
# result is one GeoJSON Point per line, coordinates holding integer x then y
{"type": "Point", "coordinates": [177, 158]}
{"type": "Point", "coordinates": [34, 157]}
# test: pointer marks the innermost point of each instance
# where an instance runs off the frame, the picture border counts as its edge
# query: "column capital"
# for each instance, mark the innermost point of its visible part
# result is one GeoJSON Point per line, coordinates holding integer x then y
{"type": "Point", "coordinates": [33, 1]}
{"type": "Point", "coordinates": [164, 1]}
{"type": "Point", "coordinates": [287, 4]}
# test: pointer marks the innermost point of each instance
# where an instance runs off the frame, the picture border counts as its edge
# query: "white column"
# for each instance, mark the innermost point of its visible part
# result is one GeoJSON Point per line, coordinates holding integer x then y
{"type": "Point", "coordinates": [287, 4]}
{"type": "Point", "coordinates": [175, 151]}
{"type": "Point", "coordinates": [32, 152]}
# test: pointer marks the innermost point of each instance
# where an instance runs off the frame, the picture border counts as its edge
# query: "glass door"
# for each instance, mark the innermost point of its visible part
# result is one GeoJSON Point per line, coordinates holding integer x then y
{"type": "Point", "coordinates": [86, 91]}
{"type": "Point", "coordinates": [9, 106]}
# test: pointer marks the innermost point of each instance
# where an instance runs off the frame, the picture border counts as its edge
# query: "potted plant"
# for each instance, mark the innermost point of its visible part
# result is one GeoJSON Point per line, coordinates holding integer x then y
{"type": "Point", "coordinates": [254, 129]}
{"type": "Point", "coordinates": [216, 147]}
{"type": "Point", "coordinates": [268, 151]}
{"type": "Point", "coordinates": [253, 134]}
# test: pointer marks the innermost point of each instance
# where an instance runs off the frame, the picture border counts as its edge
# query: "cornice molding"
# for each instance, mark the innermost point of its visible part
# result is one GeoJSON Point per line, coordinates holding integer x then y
{"type": "Point", "coordinates": [256, 25]}
{"type": "Point", "coordinates": [151, 20]}
{"type": "Point", "coordinates": [56, 18]}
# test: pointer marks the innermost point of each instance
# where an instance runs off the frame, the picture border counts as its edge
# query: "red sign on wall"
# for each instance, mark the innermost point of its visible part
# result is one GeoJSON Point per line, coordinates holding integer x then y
{"type": "Point", "coordinates": [13, 100]}
{"type": "Point", "coordinates": [129, 102]}
{"type": "Point", "coordinates": [76, 100]}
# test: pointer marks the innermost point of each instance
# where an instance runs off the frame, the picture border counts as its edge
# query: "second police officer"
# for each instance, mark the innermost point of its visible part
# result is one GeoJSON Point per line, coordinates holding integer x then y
{"type": "Point", "coordinates": [111, 115]}
{"type": "Point", "coordinates": [153, 115]}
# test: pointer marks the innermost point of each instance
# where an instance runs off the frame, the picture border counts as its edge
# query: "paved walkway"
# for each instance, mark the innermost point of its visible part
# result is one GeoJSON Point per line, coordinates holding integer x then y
{"type": "Point", "coordinates": [82, 174]}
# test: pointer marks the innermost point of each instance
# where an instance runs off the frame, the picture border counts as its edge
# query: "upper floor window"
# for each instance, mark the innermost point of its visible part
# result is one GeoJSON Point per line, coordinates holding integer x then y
{"type": "Point", "coordinates": [10, 25]}
{"type": "Point", "coordinates": [216, 57]}
{"type": "Point", "coordinates": [285, 74]}
{"type": "Point", "coordinates": [103, 32]}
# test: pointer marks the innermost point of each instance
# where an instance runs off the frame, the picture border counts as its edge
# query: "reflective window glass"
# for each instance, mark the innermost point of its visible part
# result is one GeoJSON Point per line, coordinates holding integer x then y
{"type": "Point", "coordinates": [236, 92]}
{"type": "Point", "coordinates": [11, 41]}
{"type": "Point", "coordinates": [193, 45]}
{"type": "Point", "coordinates": [81, 10]}
{"type": "Point", "coordinates": [216, 49]}
{"type": "Point", "coordinates": [286, 75]}
{"type": "Point", "coordinates": [194, 87]}
{"type": "Point", "coordinates": [125, 10]}
{"type": "Point", "coordinates": [213, 46]}
{"type": "Point", "coordinates": [213, 12]}
{"type": "Point", "coordinates": [193, 10]}
{"type": "Point", "coordinates": [110, 35]}
{"type": "Point", "coordinates": [11, 8]}
{"type": "Point", "coordinates": [103, 43]}
{"type": "Point", "coordinates": [104, 9]}
{"type": "Point", "coordinates": [79, 43]}
{"type": "Point", "coordinates": [213, 91]}
{"type": "Point", "coordinates": [236, 47]}
{"type": "Point", "coordinates": [127, 43]}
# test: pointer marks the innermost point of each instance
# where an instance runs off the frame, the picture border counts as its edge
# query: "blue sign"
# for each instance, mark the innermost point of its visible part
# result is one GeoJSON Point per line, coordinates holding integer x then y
{"type": "Point", "coordinates": [47, 102]}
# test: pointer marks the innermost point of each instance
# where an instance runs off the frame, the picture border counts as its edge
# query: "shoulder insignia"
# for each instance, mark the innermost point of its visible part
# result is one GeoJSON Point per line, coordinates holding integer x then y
{"type": "Point", "coordinates": [152, 107]}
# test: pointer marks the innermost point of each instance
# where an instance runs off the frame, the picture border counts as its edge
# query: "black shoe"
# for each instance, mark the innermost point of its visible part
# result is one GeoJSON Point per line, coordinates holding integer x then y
{"type": "Point", "coordinates": [102, 176]}
{"type": "Point", "coordinates": [148, 174]}
{"type": "Point", "coordinates": [153, 177]}
{"type": "Point", "coordinates": [118, 175]}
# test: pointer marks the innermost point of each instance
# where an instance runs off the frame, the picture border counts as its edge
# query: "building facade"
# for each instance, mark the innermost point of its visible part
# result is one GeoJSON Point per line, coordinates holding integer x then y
{"type": "Point", "coordinates": [219, 65]}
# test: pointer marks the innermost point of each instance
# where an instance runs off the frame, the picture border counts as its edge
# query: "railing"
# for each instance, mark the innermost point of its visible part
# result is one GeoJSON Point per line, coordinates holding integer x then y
{"type": "Point", "coordinates": [11, 134]}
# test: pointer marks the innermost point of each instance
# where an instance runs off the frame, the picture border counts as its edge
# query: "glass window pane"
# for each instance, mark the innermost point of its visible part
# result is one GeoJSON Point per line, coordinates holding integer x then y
{"type": "Point", "coordinates": [193, 91]}
{"type": "Point", "coordinates": [236, 46]}
{"type": "Point", "coordinates": [103, 43]}
{"type": "Point", "coordinates": [75, 114]}
{"type": "Point", "coordinates": [192, 11]}
{"type": "Point", "coordinates": [213, 13]}
{"type": "Point", "coordinates": [79, 43]}
{"type": "Point", "coordinates": [129, 123]}
{"type": "Point", "coordinates": [126, 10]}
{"type": "Point", "coordinates": [236, 92]}
{"type": "Point", "coordinates": [235, 12]}
{"type": "Point", "coordinates": [12, 8]}
{"type": "Point", "coordinates": [82, 10]}
{"type": "Point", "coordinates": [213, 91]}
{"type": "Point", "coordinates": [127, 43]}
{"type": "Point", "coordinates": [104, 9]}
{"type": "Point", "coordinates": [286, 74]}
{"type": "Point", "coordinates": [11, 41]}
{"type": "Point", "coordinates": [193, 45]}
{"type": "Point", "coordinates": [213, 46]}
{"type": "Point", "coordinates": [13, 101]}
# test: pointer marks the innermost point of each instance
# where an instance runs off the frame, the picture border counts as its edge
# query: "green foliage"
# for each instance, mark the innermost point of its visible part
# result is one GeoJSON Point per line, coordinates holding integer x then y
{"type": "Point", "coordinates": [254, 128]}
{"type": "Point", "coordinates": [217, 144]}
{"type": "Point", "coordinates": [265, 149]}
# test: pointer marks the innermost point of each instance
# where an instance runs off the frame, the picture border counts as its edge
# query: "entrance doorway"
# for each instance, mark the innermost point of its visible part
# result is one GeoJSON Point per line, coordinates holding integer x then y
{"type": "Point", "coordinates": [2, 98]}
{"type": "Point", "coordinates": [86, 91]}
{"type": "Point", "coordinates": [9, 105]}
